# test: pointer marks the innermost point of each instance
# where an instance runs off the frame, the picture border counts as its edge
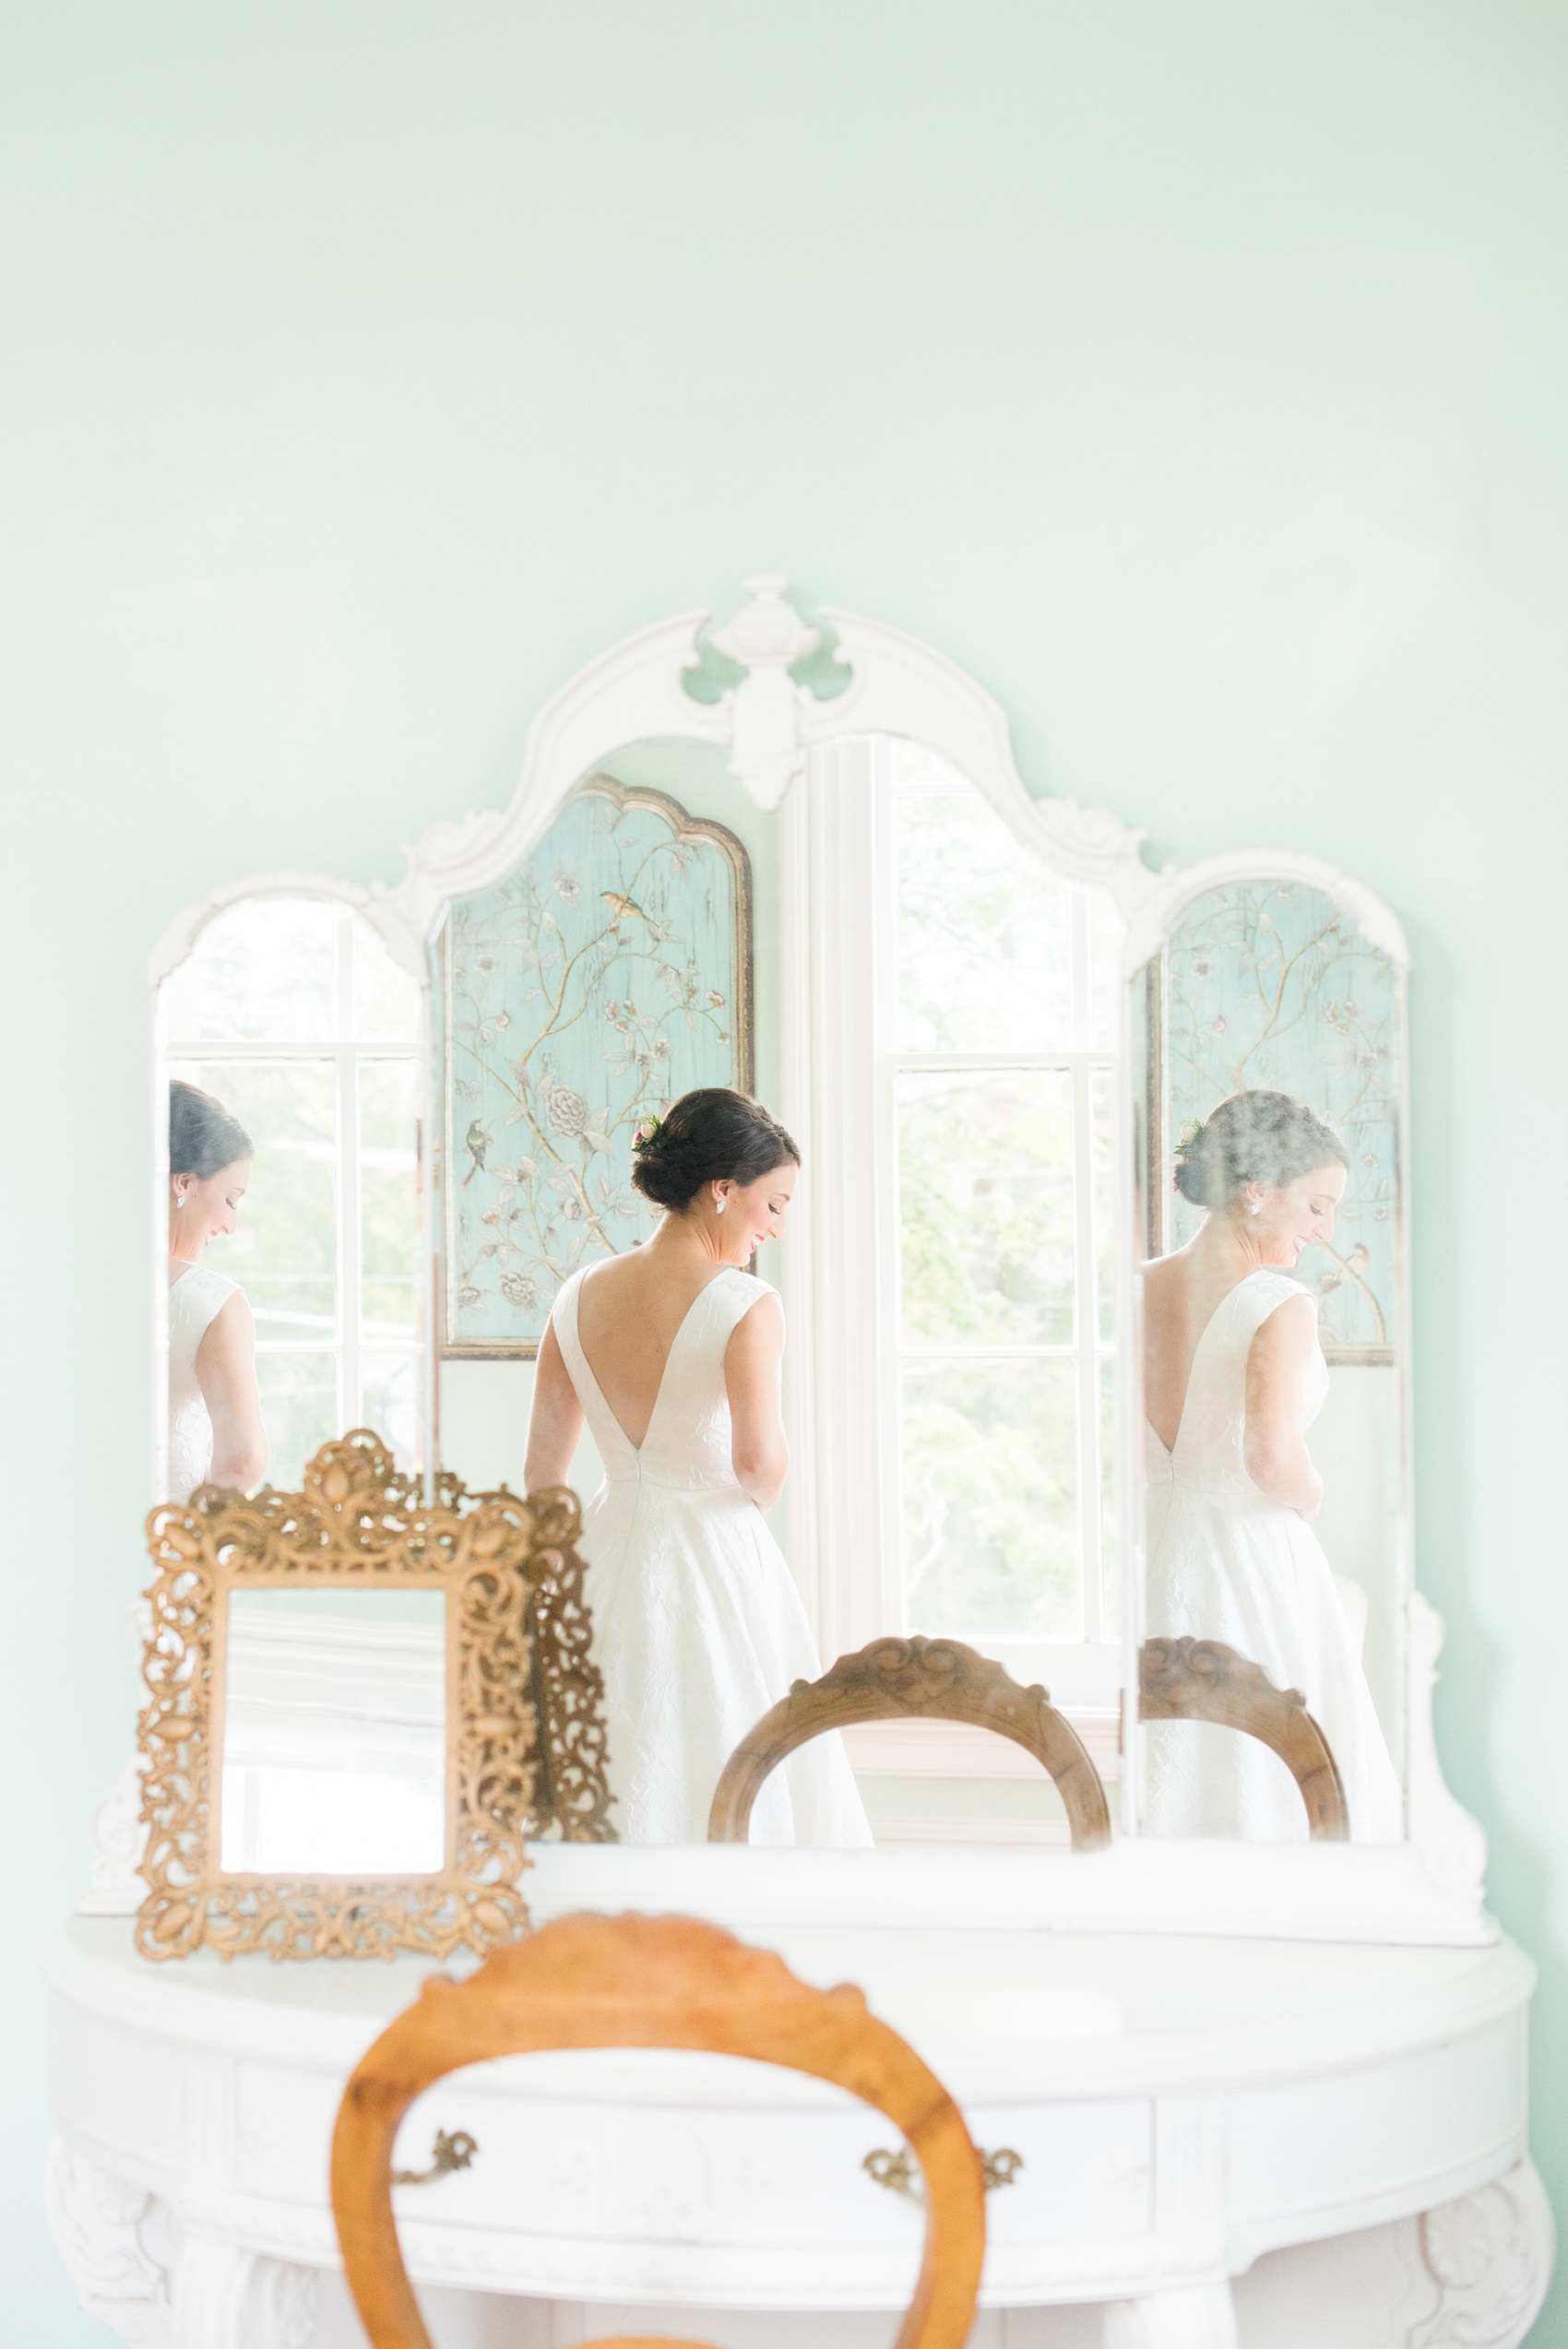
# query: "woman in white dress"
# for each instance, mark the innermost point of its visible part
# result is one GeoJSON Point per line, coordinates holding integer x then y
{"type": "Point", "coordinates": [1233, 1377]}
{"type": "Point", "coordinates": [216, 1435]}
{"type": "Point", "coordinates": [671, 1353]}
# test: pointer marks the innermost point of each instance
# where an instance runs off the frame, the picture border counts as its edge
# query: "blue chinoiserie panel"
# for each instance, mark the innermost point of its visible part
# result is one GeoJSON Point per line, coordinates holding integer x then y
{"type": "Point", "coordinates": [606, 977]}
{"type": "Point", "coordinates": [1269, 984]}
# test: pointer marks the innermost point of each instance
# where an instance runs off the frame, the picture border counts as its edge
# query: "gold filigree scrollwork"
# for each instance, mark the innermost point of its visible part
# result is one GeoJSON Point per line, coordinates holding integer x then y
{"type": "Point", "coordinates": [568, 1688]}
{"type": "Point", "coordinates": [360, 1523]}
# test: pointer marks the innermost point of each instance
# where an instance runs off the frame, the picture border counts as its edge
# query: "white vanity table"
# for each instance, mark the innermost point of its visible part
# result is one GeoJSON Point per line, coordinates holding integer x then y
{"type": "Point", "coordinates": [1267, 2095]}
{"type": "Point", "coordinates": [1185, 2106]}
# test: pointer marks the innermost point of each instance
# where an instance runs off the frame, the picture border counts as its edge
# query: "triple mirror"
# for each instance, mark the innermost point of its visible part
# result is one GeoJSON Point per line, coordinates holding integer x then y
{"type": "Point", "coordinates": [1096, 1279]}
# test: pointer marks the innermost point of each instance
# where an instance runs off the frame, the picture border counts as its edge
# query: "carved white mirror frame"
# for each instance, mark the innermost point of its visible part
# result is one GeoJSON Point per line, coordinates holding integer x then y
{"type": "Point", "coordinates": [795, 752]}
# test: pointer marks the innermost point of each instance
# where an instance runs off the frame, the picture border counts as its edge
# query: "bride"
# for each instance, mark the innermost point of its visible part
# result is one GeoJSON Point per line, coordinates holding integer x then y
{"type": "Point", "coordinates": [216, 1433]}
{"type": "Point", "coordinates": [671, 1353]}
{"type": "Point", "coordinates": [1233, 1377]}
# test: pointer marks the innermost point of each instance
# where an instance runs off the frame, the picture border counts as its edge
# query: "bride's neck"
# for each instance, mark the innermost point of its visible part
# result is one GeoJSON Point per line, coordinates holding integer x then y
{"type": "Point", "coordinates": [684, 1236]}
{"type": "Point", "coordinates": [1223, 1244]}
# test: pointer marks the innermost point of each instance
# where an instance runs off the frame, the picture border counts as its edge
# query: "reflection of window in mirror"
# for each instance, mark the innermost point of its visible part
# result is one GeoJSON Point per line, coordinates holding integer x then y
{"type": "Point", "coordinates": [290, 1013]}
{"type": "Point", "coordinates": [335, 1733]}
{"type": "Point", "coordinates": [959, 1190]}
{"type": "Point", "coordinates": [1001, 1070]}
{"type": "Point", "coordinates": [960, 1197]}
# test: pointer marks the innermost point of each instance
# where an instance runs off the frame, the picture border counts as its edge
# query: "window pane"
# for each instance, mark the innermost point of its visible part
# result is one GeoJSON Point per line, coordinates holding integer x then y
{"type": "Point", "coordinates": [299, 1408]}
{"type": "Point", "coordinates": [985, 1199]}
{"type": "Point", "coordinates": [1109, 1545]}
{"type": "Point", "coordinates": [985, 959]}
{"type": "Point", "coordinates": [1106, 933]}
{"type": "Point", "coordinates": [990, 1489]}
{"type": "Point", "coordinates": [263, 973]}
{"type": "Point", "coordinates": [1102, 1106]}
{"type": "Point", "coordinates": [386, 997]}
{"type": "Point", "coordinates": [389, 1400]}
{"type": "Point", "coordinates": [284, 1252]}
{"type": "Point", "coordinates": [388, 1196]}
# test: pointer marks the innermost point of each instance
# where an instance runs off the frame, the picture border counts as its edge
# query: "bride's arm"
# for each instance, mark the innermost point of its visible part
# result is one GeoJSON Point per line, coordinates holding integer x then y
{"type": "Point", "coordinates": [225, 1369]}
{"type": "Point", "coordinates": [556, 1422]}
{"type": "Point", "coordinates": [757, 1446]}
{"type": "Point", "coordinates": [1273, 1447]}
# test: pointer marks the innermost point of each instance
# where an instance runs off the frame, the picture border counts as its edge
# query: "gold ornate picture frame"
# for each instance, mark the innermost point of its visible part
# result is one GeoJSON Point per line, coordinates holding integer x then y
{"type": "Point", "coordinates": [524, 1744]}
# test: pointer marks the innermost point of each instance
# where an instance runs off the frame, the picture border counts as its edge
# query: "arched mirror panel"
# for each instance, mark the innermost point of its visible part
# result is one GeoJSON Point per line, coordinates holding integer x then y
{"type": "Point", "coordinates": [1270, 1094]}
{"type": "Point", "coordinates": [291, 1080]}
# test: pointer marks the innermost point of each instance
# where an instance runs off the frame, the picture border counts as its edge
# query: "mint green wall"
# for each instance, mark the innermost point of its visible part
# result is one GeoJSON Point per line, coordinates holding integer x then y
{"type": "Point", "coordinates": [1194, 375]}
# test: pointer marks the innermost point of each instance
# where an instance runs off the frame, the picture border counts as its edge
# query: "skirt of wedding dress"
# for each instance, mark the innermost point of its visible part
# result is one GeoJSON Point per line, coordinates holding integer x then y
{"type": "Point", "coordinates": [699, 1630]}
{"type": "Point", "coordinates": [1238, 1567]}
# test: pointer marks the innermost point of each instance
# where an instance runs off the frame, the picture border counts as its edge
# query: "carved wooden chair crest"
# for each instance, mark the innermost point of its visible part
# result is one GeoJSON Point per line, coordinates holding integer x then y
{"type": "Point", "coordinates": [1190, 1680]}
{"type": "Point", "coordinates": [649, 1982]}
{"type": "Point", "coordinates": [890, 1679]}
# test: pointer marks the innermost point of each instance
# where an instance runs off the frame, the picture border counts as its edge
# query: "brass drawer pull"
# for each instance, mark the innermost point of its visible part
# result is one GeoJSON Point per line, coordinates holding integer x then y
{"type": "Point", "coordinates": [449, 2154]}
{"type": "Point", "coordinates": [899, 2173]}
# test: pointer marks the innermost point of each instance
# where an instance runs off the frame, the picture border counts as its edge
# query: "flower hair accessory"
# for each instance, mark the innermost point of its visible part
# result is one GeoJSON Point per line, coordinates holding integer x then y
{"type": "Point", "coordinates": [1192, 1138]}
{"type": "Point", "coordinates": [649, 1135]}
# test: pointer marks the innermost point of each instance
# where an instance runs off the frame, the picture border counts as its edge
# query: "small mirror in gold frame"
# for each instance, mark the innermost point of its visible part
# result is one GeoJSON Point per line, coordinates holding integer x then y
{"type": "Point", "coordinates": [360, 1706]}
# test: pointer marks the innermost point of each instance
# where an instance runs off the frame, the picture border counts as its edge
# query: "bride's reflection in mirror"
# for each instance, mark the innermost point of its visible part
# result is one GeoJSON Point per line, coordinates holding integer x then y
{"type": "Point", "coordinates": [671, 1352]}
{"type": "Point", "coordinates": [291, 1042]}
{"type": "Point", "coordinates": [216, 1434]}
{"type": "Point", "coordinates": [1233, 1376]}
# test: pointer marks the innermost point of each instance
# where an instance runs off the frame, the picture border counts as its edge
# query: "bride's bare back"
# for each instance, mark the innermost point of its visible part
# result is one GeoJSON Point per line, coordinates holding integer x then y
{"type": "Point", "coordinates": [1182, 1295]}
{"type": "Point", "coordinates": [630, 1310]}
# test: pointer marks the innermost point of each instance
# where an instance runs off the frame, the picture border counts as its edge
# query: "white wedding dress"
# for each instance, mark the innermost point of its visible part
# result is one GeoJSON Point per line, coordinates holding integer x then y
{"type": "Point", "coordinates": [196, 1300]}
{"type": "Point", "coordinates": [1226, 1563]}
{"type": "Point", "coordinates": [698, 1627]}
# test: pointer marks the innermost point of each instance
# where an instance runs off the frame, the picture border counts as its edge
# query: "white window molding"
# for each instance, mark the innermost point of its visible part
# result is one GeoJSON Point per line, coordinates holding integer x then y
{"type": "Point", "coordinates": [840, 1066]}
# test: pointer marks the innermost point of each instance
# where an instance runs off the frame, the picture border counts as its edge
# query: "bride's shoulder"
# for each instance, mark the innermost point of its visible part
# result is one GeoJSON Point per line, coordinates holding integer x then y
{"type": "Point", "coordinates": [748, 1285]}
{"type": "Point", "coordinates": [743, 1289]}
{"type": "Point", "coordinates": [1267, 1289]}
{"type": "Point", "coordinates": [197, 1297]}
{"type": "Point", "coordinates": [1269, 1280]}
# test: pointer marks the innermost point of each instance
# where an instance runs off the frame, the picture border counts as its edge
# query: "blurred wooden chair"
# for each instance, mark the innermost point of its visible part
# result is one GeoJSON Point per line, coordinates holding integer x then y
{"type": "Point", "coordinates": [1190, 1680]}
{"type": "Point", "coordinates": [893, 1678]}
{"type": "Point", "coordinates": [592, 1981]}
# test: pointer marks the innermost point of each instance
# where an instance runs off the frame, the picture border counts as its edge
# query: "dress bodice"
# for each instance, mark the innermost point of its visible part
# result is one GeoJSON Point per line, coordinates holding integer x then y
{"type": "Point", "coordinates": [196, 1300]}
{"type": "Point", "coordinates": [1208, 1456]}
{"type": "Point", "coordinates": [687, 1445]}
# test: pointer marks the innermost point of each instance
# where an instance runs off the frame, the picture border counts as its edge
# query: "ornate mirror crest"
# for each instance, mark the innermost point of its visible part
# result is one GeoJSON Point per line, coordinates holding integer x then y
{"type": "Point", "coordinates": [511, 1655]}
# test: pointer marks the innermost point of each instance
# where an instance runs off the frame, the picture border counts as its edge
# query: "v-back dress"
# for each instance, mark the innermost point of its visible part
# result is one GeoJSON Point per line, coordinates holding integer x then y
{"type": "Point", "coordinates": [1225, 1563]}
{"type": "Point", "coordinates": [196, 1300]}
{"type": "Point", "coordinates": [698, 1627]}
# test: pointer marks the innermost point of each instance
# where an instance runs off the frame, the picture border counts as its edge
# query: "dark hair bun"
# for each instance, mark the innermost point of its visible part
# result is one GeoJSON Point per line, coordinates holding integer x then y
{"type": "Point", "coordinates": [712, 1135]}
{"type": "Point", "coordinates": [203, 1137]}
{"type": "Point", "coordinates": [1268, 1138]}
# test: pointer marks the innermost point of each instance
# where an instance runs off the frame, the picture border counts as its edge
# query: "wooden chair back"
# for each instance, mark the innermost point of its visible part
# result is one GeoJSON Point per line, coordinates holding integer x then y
{"type": "Point", "coordinates": [632, 1981]}
{"type": "Point", "coordinates": [1190, 1680]}
{"type": "Point", "coordinates": [936, 1679]}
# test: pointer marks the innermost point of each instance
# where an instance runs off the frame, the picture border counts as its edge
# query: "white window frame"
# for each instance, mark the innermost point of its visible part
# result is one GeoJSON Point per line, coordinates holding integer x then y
{"type": "Point", "coordinates": [845, 1531]}
{"type": "Point", "coordinates": [1089, 1350]}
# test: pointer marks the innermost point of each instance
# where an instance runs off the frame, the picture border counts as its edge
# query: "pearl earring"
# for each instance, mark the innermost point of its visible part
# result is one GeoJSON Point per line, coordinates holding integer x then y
{"type": "Point", "coordinates": [718, 1206]}
{"type": "Point", "coordinates": [1253, 1208]}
